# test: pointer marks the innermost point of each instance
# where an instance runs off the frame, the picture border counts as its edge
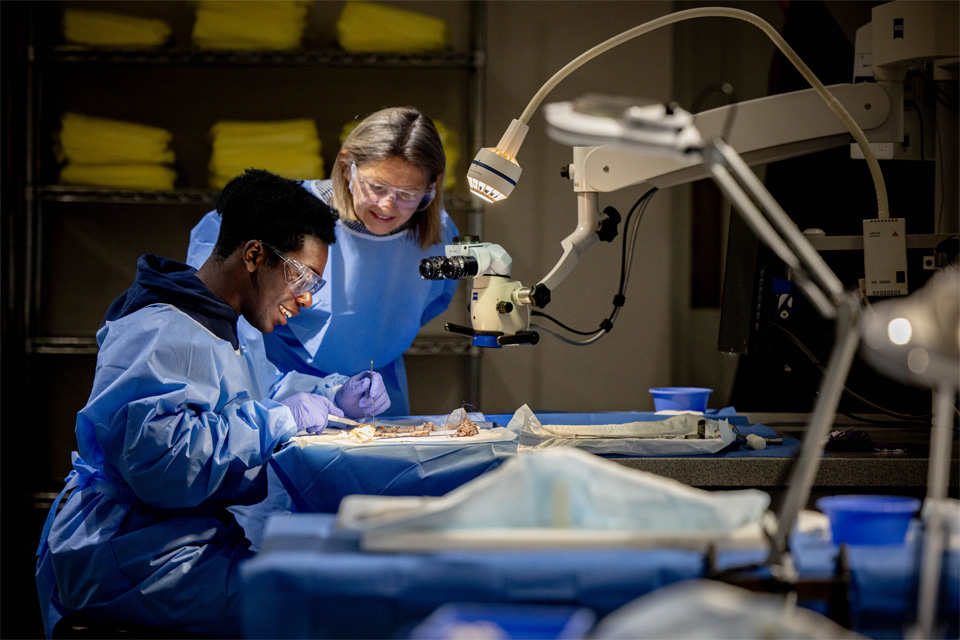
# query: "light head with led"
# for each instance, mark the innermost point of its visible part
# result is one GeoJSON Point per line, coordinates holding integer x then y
{"type": "Point", "coordinates": [494, 171]}
{"type": "Point", "coordinates": [916, 339]}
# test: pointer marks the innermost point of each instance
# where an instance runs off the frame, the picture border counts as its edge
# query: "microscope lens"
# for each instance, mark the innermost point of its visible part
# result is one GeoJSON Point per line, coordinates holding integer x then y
{"type": "Point", "coordinates": [459, 267]}
{"type": "Point", "coordinates": [432, 268]}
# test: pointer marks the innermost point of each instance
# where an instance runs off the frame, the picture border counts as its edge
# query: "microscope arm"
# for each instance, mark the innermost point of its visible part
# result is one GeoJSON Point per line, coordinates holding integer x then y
{"type": "Point", "coordinates": [588, 218]}
{"type": "Point", "coordinates": [762, 130]}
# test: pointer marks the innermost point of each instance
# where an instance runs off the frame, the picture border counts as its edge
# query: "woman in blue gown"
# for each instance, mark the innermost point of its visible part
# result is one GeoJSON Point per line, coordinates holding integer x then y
{"type": "Point", "coordinates": [387, 189]}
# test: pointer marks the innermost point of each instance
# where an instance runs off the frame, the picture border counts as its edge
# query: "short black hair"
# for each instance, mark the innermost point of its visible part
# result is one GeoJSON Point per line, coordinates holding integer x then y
{"type": "Point", "coordinates": [259, 205]}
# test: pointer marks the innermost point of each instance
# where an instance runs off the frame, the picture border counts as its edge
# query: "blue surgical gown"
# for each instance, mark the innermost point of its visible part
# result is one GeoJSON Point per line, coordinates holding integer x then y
{"type": "Point", "coordinates": [371, 309]}
{"type": "Point", "coordinates": [178, 427]}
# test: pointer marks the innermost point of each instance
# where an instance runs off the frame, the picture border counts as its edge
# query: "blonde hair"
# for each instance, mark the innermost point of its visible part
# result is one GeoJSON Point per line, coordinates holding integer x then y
{"type": "Point", "coordinates": [397, 132]}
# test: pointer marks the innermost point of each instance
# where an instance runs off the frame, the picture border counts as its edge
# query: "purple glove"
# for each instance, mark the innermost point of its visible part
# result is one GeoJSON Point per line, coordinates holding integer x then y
{"type": "Point", "coordinates": [363, 395]}
{"type": "Point", "coordinates": [310, 411]}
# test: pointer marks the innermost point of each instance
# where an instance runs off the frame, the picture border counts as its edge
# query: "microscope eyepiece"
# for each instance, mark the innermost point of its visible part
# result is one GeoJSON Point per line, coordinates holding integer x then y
{"type": "Point", "coordinates": [455, 268]}
{"type": "Point", "coordinates": [459, 267]}
{"type": "Point", "coordinates": [432, 268]}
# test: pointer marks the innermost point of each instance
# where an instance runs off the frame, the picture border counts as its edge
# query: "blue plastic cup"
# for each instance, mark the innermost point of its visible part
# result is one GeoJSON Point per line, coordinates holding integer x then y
{"type": "Point", "coordinates": [680, 398]}
{"type": "Point", "coordinates": [867, 519]}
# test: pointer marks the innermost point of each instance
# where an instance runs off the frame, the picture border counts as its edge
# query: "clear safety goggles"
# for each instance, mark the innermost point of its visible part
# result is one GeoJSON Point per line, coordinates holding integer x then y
{"type": "Point", "coordinates": [300, 278]}
{"type": "Point", "coordinates": [407, 200]}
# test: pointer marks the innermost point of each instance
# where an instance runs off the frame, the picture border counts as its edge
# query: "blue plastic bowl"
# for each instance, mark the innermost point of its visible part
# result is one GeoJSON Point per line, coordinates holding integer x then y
{"type": "Point", "coordinates": [878, 520]}
{"type": "Point", "coordinates": [680, 398]}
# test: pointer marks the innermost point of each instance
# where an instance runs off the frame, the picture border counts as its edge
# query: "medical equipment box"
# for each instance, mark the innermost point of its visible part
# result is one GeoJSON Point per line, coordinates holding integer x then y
{"type": "Point", "coordinates": [885, 256]}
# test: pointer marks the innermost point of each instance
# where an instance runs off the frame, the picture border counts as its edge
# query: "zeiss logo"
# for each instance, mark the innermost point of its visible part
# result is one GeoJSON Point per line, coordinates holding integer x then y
{"type": "Point", "coordinates": [474, 295]}
{"type": "Point", "coordinates": [898, 28]}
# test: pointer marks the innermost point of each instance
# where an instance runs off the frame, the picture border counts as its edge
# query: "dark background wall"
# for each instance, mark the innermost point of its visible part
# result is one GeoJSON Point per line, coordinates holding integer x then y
{"type": "Point", "coordinates": [86, 250]}
{"type": "Point", "coordinates": [666, 335]}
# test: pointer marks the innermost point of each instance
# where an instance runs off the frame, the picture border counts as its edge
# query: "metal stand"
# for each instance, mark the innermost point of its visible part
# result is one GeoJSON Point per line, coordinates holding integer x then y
{"type": "Point", "coordinates": [775, 228]}
{"type": "Point", "coordinates": [824, 412]}
{"type": "Point", "coordinates": [934, 531]}
{"type": "Point", "coordinates": [821, 285]}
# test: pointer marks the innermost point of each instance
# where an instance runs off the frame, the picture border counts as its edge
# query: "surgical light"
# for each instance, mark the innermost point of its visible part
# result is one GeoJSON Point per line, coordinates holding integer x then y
{"type": "Point", "coordinates": [899, 331]}
{"type": "Point", "coordinates": [929, 357]}
{"type": "Point", "coordinates": [916, 338]}
{"type": "Point", "coordinates": [494, 171]}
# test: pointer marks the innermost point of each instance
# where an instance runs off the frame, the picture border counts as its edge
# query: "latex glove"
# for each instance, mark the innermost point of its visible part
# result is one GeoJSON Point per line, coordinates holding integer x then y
{"type": "Point", "coordinates": [310, 411]}
{"type": "Point", "coordinates": [363, 395]}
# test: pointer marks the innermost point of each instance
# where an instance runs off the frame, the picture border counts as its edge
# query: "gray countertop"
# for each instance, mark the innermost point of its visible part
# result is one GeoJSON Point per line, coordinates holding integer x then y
{"type": "Point", "coordinates": [899, 463]}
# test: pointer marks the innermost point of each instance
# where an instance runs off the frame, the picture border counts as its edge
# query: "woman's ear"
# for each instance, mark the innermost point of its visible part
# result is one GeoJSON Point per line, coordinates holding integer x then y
{"type": "Point", "coordinates": [253, 255]}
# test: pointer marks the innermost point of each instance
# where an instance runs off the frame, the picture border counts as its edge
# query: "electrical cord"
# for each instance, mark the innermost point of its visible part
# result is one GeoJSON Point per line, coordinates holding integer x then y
{"type": "Point", "coordinates": [626, 262]}
{"type": "Point", "coordinates": [813, 358]}
{"type": "Point", "coordinates": [541, 314]}
{"type": "Point", "coordinates": [913, 105]}
{"type": "Point", "coordinates": [946, 98]}
{"type": "Point", "coordinates": [938, 160]}
{"type": "Point", "coordinates": [626, 259]}
{"type": "Point", "coordinates": [942, 97]}
{"type": "Point", "coordinates": [864, 419]}
{"type": "Point", "coordinates": [859, 418]}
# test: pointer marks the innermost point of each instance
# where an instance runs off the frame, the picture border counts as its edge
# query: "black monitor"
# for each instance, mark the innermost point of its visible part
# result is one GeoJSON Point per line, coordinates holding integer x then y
{"type": "Point", "coordinates": [782, 341]}
{"type": "Point", "coordinates": [780, 337]}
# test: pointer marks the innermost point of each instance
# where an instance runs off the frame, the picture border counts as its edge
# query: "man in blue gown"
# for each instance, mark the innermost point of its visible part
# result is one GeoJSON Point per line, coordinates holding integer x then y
{"type": "Point", "coordinates": [183, 417]}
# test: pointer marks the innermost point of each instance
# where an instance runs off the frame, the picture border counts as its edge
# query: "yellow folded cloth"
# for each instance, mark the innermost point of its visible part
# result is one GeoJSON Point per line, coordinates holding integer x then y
{"type": "Point", "coordinates": [369, 26]}
{"type": "Point", "coordinates": [92, 140]}
{"type": "Point", "coordinates": [113, 29]}
{"type": "Point", "coordinates": [290, 148]}
{"type": "Point", "coordinates": [125, 176]}
{"type": "Point", "coordinates": [300, 133]}
{"type": "Point", "coordinates": [288, 165]}
{"type": "Point", "coordinates": [448, 138]}
{"type": "Point", "coordinates": [451, 148]}
{"type": "Point", "coordinates": [250, 24]}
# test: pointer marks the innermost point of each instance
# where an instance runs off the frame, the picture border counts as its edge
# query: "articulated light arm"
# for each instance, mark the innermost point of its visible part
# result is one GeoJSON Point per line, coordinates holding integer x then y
{"type": "Point", "coordinates": [494, 172]}
{"type": "Point", "coordinates": [762, 130]}
{"type": "Point", "coordinates": [824, 290]}
{"type": "Point", "coordinates": [774, 227]}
